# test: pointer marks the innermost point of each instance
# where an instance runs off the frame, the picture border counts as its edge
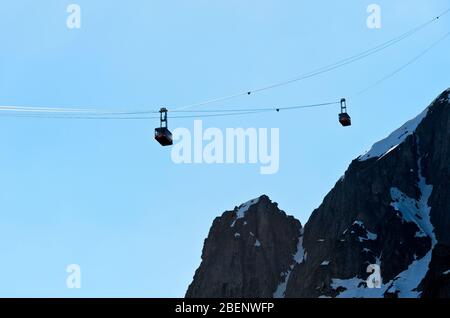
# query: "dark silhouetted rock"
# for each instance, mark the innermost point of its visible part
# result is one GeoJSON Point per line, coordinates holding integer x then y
{"type": "Point", "coordinates": [246, 251]}
{"type": "Point", "coordinates": [391, 209]}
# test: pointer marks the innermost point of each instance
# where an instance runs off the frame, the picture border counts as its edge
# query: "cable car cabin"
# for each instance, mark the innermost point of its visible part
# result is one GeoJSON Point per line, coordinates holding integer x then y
{"type": "Point", "coordinates": [163, 136]}
{"type": "Point", "coordinates": [344, 117]}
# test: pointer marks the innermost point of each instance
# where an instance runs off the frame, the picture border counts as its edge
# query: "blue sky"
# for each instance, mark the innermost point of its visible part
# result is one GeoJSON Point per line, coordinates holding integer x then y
{"type": "Point", "coordinates": [106, 196]}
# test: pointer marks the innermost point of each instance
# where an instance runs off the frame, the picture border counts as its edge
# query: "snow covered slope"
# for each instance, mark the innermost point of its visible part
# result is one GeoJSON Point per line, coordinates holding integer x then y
{"type": "Point", "coordinates": [388, 144]}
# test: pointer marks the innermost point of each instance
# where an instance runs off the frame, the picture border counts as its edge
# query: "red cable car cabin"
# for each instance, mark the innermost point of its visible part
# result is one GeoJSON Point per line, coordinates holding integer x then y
{"type": "Point", "coordinates": [163, 134]}
{"type": "Point", "coordinates": [344, 118]}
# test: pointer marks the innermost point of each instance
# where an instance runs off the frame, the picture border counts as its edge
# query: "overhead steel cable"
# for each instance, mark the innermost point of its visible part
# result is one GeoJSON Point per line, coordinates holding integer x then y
{"type": "Point", "coordinates": [404, 66]}
{"type": "Point", "coordinates": [208, 113]}
{"type": "Point", "coordinates": [328, 68]}
{"type": "Point", "coordinates": [130, 117]}
{"type": "Point", "coordinates": [324, 69]}
{"type": "Point", "coordinates": [56, 110]}
{"type": "Point", "coordinates": [44, 109]}
{"type": "Point", "coordinates": [253, 109]}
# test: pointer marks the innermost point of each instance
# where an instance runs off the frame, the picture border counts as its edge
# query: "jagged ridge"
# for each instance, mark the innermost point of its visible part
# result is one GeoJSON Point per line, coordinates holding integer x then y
{"type": "Point", "coordinates": [390, 209]}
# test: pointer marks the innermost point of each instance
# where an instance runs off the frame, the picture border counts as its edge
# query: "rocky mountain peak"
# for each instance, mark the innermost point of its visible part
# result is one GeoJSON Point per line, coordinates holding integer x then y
{"type": "Point", "coordinates": [390, 211]}
{"type": "Point", "coordinates": [246, 252]}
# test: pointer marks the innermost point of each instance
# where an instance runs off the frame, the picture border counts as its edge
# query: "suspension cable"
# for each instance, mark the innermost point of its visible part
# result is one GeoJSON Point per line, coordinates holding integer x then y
{"type": "Point", "coordinates": [324, 69]}
{"type": "Point", "coordinates": [207, 113]}
{"type": "Point", "coordinates": [404, 66]}
{"type": "Point", "coordinates": [319, 71]}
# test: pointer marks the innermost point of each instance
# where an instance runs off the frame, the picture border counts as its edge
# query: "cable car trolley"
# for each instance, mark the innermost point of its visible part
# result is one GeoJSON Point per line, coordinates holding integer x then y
{"type": "Point", "coordinates": [163, 134]}
{"type": "Point", "coordinates": [344, 117]}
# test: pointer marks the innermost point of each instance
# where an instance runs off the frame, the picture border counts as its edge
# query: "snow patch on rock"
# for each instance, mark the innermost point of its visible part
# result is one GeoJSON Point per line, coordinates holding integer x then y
{"type": "Point", "coordinates": [369, 236]}
{"type": "Point", "coordinates": [383, 147]}
{"type": "Point", "coordinates": [416, 211]}
{"type": "Point", "coordinates": [356, 288]}
{"type": "Point", "coordinates": [298, 258]}
{"type": "Point", "coordinates": [406, 283]}
{"type": "Point", "coordinates": [243, 208]}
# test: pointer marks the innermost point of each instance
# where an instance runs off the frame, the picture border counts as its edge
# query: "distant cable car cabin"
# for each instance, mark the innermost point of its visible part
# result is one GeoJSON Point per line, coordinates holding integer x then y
{"type": "Point", "coordinates": [163, 134]}
{"type": "Point", "coordinates": [344, 117]}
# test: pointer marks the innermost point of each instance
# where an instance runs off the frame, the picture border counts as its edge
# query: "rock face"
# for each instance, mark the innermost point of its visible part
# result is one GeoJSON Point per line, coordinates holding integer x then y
{"type": "Point", "coordinates": [245, 252]}
{"type": "Point", "coordinates": [391, 210]}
